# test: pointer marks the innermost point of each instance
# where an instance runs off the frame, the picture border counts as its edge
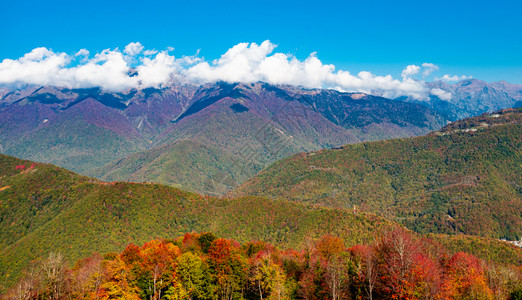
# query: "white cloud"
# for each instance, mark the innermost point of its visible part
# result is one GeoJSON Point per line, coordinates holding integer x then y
{"type": "Point", "coordinates": [455, 78]}
{"type": "Point", "coordinates": [157, 71]}
{"type": "Point", "coordinates": [409, 71]}
{"type": "Point", "coordinates": [251, 62]}
{"type": "Point", "coordinates": [82, 52]}
{"type": "Point", "coordinates": [133, 49]}
{"type": "Point", "coordinates": [412, 70]}
{"type": "Point", "coordinates": [244, 62]}
{"type": "Point", "coordinates": [107, 69]}
{"type": "Point", "coordinates": [40, 67]}
{"type": "Point", "coordinates": [239, 64]}
{"type": "Point", "coordinates": [428, 69]}
{"type": "Point", "coordinates": [36, 54]}
{"type": "Point", "coordinates": [443, 95]}
{"type": "Point", "coordinates": [149, 52]}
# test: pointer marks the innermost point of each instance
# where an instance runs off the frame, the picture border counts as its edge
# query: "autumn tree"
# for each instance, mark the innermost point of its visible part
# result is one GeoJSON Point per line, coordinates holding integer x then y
{"type": "Point", "coordinates": [205, 241]}
{"type": "Point", "coordinates": [87, 277]}
{"type": "Point", "coordinates": [502, 280]}
{"type": "Point", "coordinates": [339, 272]}
{"type": "Point", "coordinates": [157, 264]}
{"type": "Point", "coordinates": [465, 278]}
{"type": "Point", "coordinates": [119, 282]}
{"type": "Point", "coordinates": [26, 289]}
{"type": "Point", "coordinates": [193, 275]}
{"type": "Point", "coordinates": [227, 267]}
{"type": "Point", "coordinates": [407, 269]}
{"type": "Point", "coordinates": [268, 277]}
{"type": "Point", "coordinates": [366, 268]}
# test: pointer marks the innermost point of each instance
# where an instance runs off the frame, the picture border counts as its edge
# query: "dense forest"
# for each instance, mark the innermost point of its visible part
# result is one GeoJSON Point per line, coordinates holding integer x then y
{"type": "Point", "coordinates": [465, 178]}
{"type": "Point", "coordinates": [44, 208]}
{"type": "Point", "coordinates": [397, 265]}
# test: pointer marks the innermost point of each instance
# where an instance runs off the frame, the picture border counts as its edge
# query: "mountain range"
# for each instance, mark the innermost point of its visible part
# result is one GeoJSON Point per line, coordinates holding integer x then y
{"type": "Point", "coordinates": [222, 133]}
{"type": "Point", "coordinates": [472, 97]}
{"type": "Point", "coordinates": [211, 138]}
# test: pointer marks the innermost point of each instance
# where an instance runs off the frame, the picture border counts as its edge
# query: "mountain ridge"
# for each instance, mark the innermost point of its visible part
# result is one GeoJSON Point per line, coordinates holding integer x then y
{"type": "Point", "coordinates": [90, 130]}
{"type": "Point", "coordinates": [472, 97]}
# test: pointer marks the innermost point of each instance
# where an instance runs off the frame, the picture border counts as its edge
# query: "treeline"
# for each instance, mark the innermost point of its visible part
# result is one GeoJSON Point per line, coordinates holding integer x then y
{"type": "Point", "coordinates": [398, 265]}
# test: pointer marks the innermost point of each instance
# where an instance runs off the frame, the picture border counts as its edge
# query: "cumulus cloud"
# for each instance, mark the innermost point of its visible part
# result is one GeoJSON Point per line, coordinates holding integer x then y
{"type": "Point", "coordinates": [410, 70]}
{"type": "Point", "coordinates": [443, 95]}
{"type": "Point", "coordinates": [149, 52]}
{"type": "Point", "coordinates": [244, 62]}
{"type": "Point", "coordinates": [455, 78]}
{"type": "Point", "coordinates": [239, 64]}
{"type": "Point", "coordinates": [251, 63]}
{"type": "Point", "coordinates": [108, 69]}
{"type": "Point", "coordinates": [157, 71]}
{"type": "Point", "coordinates": [41, 66]}
{"type": "Point", "coordinates": [133, 49]}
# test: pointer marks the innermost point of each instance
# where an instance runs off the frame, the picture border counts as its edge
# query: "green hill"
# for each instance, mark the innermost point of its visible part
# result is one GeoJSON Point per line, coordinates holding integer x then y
{"type": "Point", "coordinates": [44, 208]}
{"type": "Point", "coordinates": [186, 164]}
{"type": "Point", "coordinates": [466, 178]}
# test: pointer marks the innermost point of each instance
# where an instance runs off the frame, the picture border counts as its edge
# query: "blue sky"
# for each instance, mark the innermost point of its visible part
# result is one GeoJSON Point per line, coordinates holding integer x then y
{"type": "Point", "coordinates": [482, 39]}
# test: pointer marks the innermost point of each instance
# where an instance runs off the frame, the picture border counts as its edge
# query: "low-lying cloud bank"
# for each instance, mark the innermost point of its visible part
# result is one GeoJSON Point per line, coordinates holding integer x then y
{"type": "Point", "coordinates": [135, 67]}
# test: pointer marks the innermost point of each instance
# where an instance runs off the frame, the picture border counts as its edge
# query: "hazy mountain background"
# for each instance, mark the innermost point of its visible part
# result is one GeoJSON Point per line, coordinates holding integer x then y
{"type": "Point", "coordinates": [472, 97]}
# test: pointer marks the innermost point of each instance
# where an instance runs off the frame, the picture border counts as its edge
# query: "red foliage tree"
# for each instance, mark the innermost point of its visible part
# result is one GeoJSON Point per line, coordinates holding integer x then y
{"type": "Point", "coordinates": [228, 267]}
{"type": "Point", "coordinates": [158, 259]}
{"type": "Point", "coordinates": [465, 278]}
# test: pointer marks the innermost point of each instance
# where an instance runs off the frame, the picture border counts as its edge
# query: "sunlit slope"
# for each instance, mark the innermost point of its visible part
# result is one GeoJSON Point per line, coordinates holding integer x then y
{"type": "Point", "coordinates": [467, 178]}
{"type": "Point", "coordinates": [46, 208]}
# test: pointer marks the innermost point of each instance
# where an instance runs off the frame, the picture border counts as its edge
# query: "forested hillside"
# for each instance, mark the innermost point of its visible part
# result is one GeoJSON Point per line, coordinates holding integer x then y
{"type": "Point", "coordinates": [45, 209]}
{"type": "Point", "coordinates": [465, 178]}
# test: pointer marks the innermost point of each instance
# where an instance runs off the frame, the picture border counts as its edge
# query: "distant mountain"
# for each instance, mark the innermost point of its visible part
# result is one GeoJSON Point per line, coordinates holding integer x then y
{"type": "Point", "coordinates": [207, 139]}
{"type": "Point", "coordinates": [473, 97]}
{"type": "Point", "coordinates": [84, 128]}
{"type": "Point", "coordinates": [44, 208]}
{"type": "Point", "coordinates": [465, 178]}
